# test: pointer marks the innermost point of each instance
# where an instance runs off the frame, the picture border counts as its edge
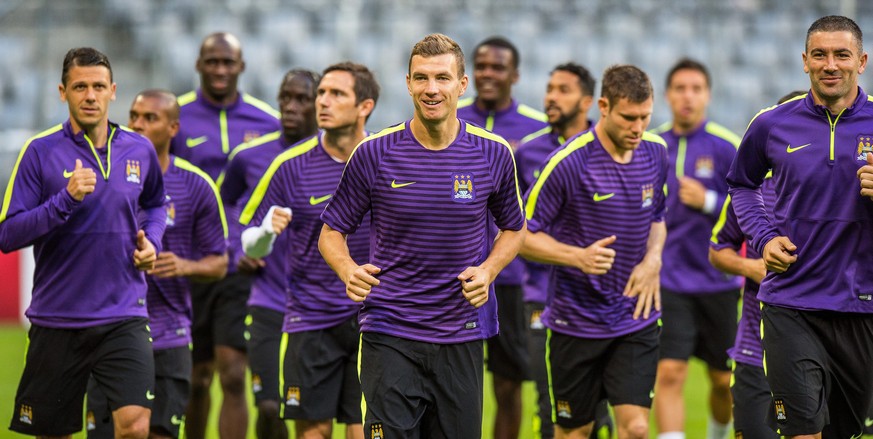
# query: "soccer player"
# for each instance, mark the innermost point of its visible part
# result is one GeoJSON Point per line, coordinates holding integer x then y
{"type": "Point", "coordinates": [596, 212]}
{"type": "Point", "coordinates": [320, 344]}
{"type": "Point", "coordinates": [699, 301]}
{"type": "Point", "coordinates": [88, 312]}
{"type": "Point", "coordinates": [246, 165]}
{"type": "Point", "coordinates": [194, 248]}
{"type": "Point", "coordinates": [569, 96]}
{"type": "Point", "coordinates": [816, 317]}
{"type": "Point", "coordinates": [430, 185]}
{"type": "Point", "coordinates": [749, 388]}
{"type": "Point", "coordinates": [213, 120]}
{"type": "Point", "coordinates": [495, 71]}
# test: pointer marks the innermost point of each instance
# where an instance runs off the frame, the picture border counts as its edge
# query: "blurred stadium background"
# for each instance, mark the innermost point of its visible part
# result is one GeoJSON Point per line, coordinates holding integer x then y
{"type": "Point", "coordinates": [752, 48]}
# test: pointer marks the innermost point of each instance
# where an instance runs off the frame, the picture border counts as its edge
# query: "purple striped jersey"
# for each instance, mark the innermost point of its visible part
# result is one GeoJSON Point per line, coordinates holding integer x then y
{"type": "Point", "coordinates": [195, 226]}
{"type": "Point", "coordinates": [513, 123]}
{"type": "Point", "coordinates": [304, 178]}
{"type": "Point", "coordinates": [747, 347]}
{"type": "Point", "coordinates": [582, 195]}
{"type": "Point", "coordinates": [245, 167]}
{"type": "Point", "coordinates": [430, 211]}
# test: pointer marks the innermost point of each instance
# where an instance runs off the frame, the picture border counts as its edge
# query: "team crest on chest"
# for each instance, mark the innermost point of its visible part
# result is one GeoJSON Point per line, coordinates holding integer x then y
{"type": "Point", "coordinates": [865, 145]}
{"type": "Point", "coordinates": [251, 135]}
{"type": "Point", "coordinates": [703, 167]}
{"type": "Point", "coordinates": [648, 195]}
{"type": "Point", "coordinates": [171, 214]}
{"type": "Point", "coordinates": [132, 171]}
{"type": "Point", "coordinates": [463, 190]}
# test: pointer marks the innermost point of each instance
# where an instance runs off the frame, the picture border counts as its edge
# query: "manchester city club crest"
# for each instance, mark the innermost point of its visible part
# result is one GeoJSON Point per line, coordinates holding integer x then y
{"type": "Point", "coordinates": [865, 145]}
{"type": "Point", "coordinates": [171, 214]}
{"type": "Point", "coordinates": [463, 190]}
{"type": "Point", "coordinates": [648, 195]}
{"type": "Point", "coordinates": [704, 167]}
{"type": "Point", "coordinates": [132, 171]}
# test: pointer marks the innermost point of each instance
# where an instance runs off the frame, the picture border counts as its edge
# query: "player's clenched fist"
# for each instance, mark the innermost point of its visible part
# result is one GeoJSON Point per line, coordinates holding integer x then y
{"type": "Point", "coordinates": [82, 181]}
{"type": "Point", "coordinates": [144, 256]}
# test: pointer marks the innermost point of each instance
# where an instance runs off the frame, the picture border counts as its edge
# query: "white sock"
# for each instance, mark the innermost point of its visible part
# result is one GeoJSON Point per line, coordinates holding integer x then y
{"type": "Point", "coordinates": [717, 430]}
{"type": "Point", "coordinates": [672, 435]}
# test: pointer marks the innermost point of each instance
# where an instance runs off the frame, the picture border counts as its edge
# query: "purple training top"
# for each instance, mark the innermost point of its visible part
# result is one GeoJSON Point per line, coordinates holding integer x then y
{"type": "Point", "coordinates": [584, 195]}
{"type": "Point", "coordinates": [704, 154]}
{"type": "Point", "coordinates": [208, 133]}
{"type": "Point", "coordinates": [84, 274]}
{"type": "Point", "coordinates": [747, 347]}
{"type": "Point", "coordinates": [195, 225]}
{"type": "Point", "coordinates": [429, 211]}
{"type": "Point", "coordinates": [247, 164]}
{"type": "Point", "coordinates": [304, 178]}
{"type": "Point", "coordinates": [814, 156]}
{"type": "Point", "coordinates": [513, 124]}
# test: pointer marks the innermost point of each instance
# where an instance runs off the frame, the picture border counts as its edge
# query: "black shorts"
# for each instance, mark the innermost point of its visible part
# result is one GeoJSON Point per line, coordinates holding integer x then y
{"type": "Point", "coordinates": [219, 315]}
{"type": "Point", "coordinates": [172, 391]}
{"type": "Point", "coordinates": [536, 346]}
{"type": "Point", "coordinates": [417, 389]}
{"type": "Point", "coordinates": [264, 327]}
{"type": "Point", "coordinates": [584, 371]}
{"type": "Point", "coordinates": [704, 326]}
{"type": "Point", "coordinates": [59, 363]}
{"type": "Point", "coordinates": [751, 395]}
{"type": "Point", "coordinates": [507, 351]}
{"type": "Point", "coordinates": [320, 378]}
{"type": "Point", "coordinates": [818, 367]}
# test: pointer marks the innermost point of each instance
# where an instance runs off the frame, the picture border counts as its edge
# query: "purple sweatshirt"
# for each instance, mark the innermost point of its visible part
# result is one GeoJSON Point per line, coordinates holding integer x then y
{"type": "Point", "coordinates": [84, 274]}
{"type": "Point", "coordinates": [814, 156]}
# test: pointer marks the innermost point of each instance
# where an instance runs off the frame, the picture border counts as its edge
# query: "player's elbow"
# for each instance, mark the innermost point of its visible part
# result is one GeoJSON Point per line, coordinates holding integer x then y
{"type": "Point", "coordinates": [715, 259]}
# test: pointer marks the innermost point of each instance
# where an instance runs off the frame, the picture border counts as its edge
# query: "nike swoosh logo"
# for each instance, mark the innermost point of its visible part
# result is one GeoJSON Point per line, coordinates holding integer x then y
{"type": "Point", "coordinates": [598, 198]}
{"type": "Point", "coordinates": [192, 142]}
{"type": "Point", "coordinates": [790, 149]}
{"type": "Point", "coordinates": [175, 420]}
{"type": "Point", "coordinates": [868, 422]}
{"type": "Point", "coordinates": [396, 185]}
{"type": "Point", "coordinates": [313, 201]}
{"type": "Point", "coordinates": [68, 174]}
{"type": "Point", "coordinates": [149, 395]}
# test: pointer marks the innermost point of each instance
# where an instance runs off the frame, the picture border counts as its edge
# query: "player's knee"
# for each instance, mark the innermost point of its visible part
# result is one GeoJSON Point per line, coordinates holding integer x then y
{"type": "Point", "coordinates": [670, 375]}
{"type": "Point", "coordinates": [201, 380]}
{"type": "Point", "coordinates": [637, 428]}
{"type": "Point", "coordinates": [129, 427]}
{"type": "Point", "coordinates": [233, 382]}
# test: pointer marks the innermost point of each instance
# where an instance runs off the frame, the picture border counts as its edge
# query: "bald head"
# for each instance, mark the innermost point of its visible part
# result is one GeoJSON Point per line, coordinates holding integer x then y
{"type": "Point", "coordinates": [220, 63]}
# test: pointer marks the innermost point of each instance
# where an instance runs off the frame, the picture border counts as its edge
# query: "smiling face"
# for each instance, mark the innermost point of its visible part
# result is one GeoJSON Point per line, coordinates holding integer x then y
{"type": "Point", "coordinates": [220, 64]}
{"type": "Point", "coordinates": [494, 73]}
{"type": "Point", "coordinates": [833, 61]}
{"type": "Point", "coordinates": [87, 92]}
{"type": "Point", "coordinates": [435, 86]}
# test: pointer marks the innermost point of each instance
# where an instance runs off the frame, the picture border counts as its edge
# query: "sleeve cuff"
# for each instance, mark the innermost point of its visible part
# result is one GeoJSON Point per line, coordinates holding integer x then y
{"type": "Point", "coordinates": [710, 201]}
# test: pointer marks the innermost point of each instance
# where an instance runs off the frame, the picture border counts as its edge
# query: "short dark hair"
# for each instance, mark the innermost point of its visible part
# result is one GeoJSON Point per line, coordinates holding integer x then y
{"type": "Point", "coordinates": [503, 43]}
{"type": "Point", "coordinates": [625, 81]}
{"type": "Point", "coordinates": [836, 23]}
{"type": "Point", "coordinates": [435, 45]}
{"type": "Point", "coordinates": [791, 96]}
{"type": "Point", "coordinates": [688, 64]}
{"type": "Point", "coordinates": [82, 57]}
{"type": "Point", "coordinates": [167, 96]}
{"type": "Point", "coordinates": [311, 76]}
{"type": "Point", "coordinates": [366, 86]}
{"type": "Point", "coordinates": [586, 81]}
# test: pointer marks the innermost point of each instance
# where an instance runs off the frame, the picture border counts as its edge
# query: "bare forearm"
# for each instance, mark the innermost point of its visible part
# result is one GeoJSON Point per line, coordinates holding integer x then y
{"type": "Point", "coordinates": [543, 248]}
{"type": "Point", "coordinates": [210, 268]}
{"type": "Point", "coordinates": [335, 251]}
{"type": "Point", "coordinates": [655, 244]}
{"type": "Point", "coordinates": [505, 249]}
